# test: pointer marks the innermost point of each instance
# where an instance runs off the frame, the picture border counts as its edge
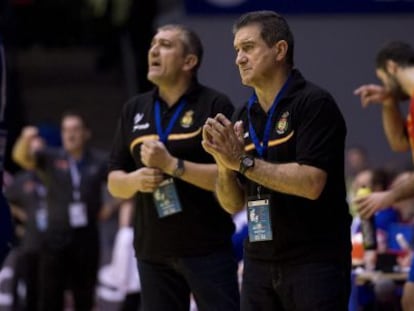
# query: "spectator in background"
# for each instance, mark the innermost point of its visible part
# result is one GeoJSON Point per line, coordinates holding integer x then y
{"type": "Point", "coordinates": [375, 180]}
{"type": "Point", "coordinates": [356, 160]}
{"type": "Point", "coordinates": [383, 294]}
{"type": "Point", "coordinates": [73, 176]}
{"type": "Point", "coordinates": [395, 69]}
{"type": "Point", "coordinates": [182, 236]}
{"type": "Point", "coordinates": [27, 196]}
{"type": "Point", "coordinates": [284, 159]}
{"type": "Point", "coordinates": [405, 225]}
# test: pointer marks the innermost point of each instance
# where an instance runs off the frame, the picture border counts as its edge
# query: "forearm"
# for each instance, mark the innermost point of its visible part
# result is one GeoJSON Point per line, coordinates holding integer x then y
{"type": "Point", "coordinates": [229, 192]}
{"type": "Point", "coordinates": [291, 178]}
{"type": "Point", "coordinates": [201, 175]}
{"type": "Point", "coordinates": [21, 153]}
{"type": "Point", "coordinates": [121, 184]}
{"type": "Point", "coordinates": [394, 127]}
{"type": "Point", "coordinates": [403, 190]}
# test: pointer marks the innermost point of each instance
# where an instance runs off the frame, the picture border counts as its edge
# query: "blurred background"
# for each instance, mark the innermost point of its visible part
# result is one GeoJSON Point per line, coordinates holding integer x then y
{"type": "Point", "coordinates": [90, 55]}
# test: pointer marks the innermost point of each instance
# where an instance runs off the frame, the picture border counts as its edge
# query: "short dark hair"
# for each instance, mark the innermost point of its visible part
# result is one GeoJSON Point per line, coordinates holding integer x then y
{"type": "Point", "coordinates": [191, 41]}
{"type": "Point", "coordinates": [381, 178]}
{"type": "Point", "coordinates": [274, 28]}
{"type": "Point", "coordinates": [76, 114]}
{"type": "Point", "coordinates": [400, 52]}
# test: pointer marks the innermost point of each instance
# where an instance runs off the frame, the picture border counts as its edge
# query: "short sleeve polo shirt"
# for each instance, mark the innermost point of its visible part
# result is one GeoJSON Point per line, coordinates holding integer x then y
{"type": "Point", "coordinates": [307, 128]}
{"type": "Point", "coordinates": [203, 226]}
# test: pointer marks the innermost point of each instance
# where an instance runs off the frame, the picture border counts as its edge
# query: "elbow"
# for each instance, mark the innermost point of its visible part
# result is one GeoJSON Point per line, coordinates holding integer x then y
{"type": "Point", "coordinates": [116, 192]}
{"type": "Point", "coordinates": [399, 147]}
{"type": "Point", "coordinates": [116, 189]}
{"type": "Point", "coordinates": [316, 187]}
{"type": "Point", "coordinates": [25, 163]}
{"type": "Point", "coordinates": [233, 209]}
{"type": "Point", "coordinates": [16, 157]}
{"type": "Point", "coordinates": [314, 193]}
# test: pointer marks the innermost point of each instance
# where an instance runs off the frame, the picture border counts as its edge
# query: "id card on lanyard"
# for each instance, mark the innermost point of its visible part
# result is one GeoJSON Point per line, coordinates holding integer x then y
{"type": "Point", "coordinates": [41, 211]}
{"type": "Point", "coordinates": [258, 207]}
{"type": "Point", "coordinates": [166, 199]}
{"type": "Point", "coordinates": [259, 220]}
{"type": "Point", "coordinates": [78, 214]}
{"type": "Point", "coordinates": [165, 196]}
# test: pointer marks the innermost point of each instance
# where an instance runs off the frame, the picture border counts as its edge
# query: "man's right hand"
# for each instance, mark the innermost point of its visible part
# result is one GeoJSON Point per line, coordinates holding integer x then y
{"type": "Point", "coordinates": [373, 94]}
{"type": "Point", "coordinates": [29, 132]}
{"type": "Point", "coordinates": [147, 179]}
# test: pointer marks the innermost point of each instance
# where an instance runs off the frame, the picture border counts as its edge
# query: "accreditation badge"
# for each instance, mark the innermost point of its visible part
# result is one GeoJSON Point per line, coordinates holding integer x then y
{"type": "Point", "coordinates": [166, 199]}
{"type": "Point", "coordinates": [258, 217]}
{"type": "Point", "coordinates": [41, 219]}
{"type": "Point", "coordinates": [78, 215]}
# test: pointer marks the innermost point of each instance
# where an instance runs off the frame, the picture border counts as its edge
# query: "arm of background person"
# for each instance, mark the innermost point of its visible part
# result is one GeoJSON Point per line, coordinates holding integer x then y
{"type": "Point", "coordinates": [368, 205]}
{"type": "Point", "coordinates": [21, 150]}
{"type": "Point", "coordinates": [394, 127]}
{"type": "Point", "coordinates": [392, 120]}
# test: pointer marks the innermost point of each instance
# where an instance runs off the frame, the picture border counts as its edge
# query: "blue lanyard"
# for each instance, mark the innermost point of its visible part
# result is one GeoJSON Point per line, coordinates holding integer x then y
{"type": "Point", "coordinates": [161, 133]}
{"type": "Point", "coordinates": [261, 146]}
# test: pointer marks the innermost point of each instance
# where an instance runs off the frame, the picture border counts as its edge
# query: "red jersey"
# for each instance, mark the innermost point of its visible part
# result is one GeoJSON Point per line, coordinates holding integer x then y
{"type": "Point", "coordinates": [410, 126]}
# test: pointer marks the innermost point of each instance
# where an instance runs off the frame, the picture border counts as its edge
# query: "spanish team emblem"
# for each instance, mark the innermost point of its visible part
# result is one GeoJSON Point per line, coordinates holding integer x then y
{"type": "Point", "coordinates": [282, 124]}
{"type": "Point", "coordinates": [187, 119]}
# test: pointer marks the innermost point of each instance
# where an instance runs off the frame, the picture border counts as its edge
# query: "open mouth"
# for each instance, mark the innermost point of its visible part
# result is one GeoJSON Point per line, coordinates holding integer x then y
{"type": "Point", "coordinates": [155, 64]}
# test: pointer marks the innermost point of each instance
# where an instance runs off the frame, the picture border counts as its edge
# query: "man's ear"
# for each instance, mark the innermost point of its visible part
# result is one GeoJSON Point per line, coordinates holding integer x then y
{"type": "Point", "coordinates": [190, 62]}
{"type": "Point", "coordinates": [281, 50]}
{"type": "Point", "coordinates": [391, 66]}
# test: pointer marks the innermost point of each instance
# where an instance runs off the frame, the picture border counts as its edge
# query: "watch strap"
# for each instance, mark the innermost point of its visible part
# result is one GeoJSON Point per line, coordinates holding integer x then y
{"type": "Point", "coordinates": [179, 169]}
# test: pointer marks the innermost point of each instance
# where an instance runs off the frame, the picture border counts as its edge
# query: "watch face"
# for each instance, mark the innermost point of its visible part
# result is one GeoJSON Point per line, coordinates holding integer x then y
{"type": "Point", "coordinates": [179, 171]}
{"type": "Point", "coordinates": [248, 162]}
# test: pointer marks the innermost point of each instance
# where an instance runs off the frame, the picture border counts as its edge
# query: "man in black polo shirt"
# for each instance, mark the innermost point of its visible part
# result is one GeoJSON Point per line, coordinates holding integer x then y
{"type": "Point", "coordinates": [182, 236]}
{"type": "Point", "coordinates": [74, 177]}
{"type": "Point", "coordinates": [290, 160]}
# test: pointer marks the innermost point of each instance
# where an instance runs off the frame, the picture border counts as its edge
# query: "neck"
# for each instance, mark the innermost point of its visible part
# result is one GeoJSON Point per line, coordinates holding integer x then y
{"type": "Point", "coordinates": [76, 154]}
{"type": "Point", "coordinates": [266, 93]}
{"type": "Point", "coordinates": [407, 80]}
{"type": "Point", "coordinates": [172, 93]}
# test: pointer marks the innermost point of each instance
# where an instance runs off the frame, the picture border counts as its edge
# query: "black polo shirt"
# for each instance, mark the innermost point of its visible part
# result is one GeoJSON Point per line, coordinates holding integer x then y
{"type": "Point", "coordinates": [307, 128]}
{"type": "Point", "coordinates": [54, 169]}
{"type": "Point", "coordinates": [203, 226]}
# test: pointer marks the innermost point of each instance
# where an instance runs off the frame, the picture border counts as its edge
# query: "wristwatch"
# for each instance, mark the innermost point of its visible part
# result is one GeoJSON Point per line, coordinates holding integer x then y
{"type": "Point", "coordinates": [179, 169]}
{"type": "Point", "coordinates": [246, 162]}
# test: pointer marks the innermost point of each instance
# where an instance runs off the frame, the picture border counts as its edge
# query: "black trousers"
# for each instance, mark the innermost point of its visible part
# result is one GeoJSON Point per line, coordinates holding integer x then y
{"type": "Point", "coordinates": [27, 270]}
{"type": "Point", "coordinates": [69, 261]}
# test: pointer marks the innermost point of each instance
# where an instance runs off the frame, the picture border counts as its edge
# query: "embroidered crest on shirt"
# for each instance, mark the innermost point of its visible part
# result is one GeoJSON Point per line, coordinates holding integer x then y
{"type": "Point", "coordinates": [282, 124]}
{"type": "Point", "coordinates": [188, 119]}
{"type": "Point", "coordinates": [137, 119]}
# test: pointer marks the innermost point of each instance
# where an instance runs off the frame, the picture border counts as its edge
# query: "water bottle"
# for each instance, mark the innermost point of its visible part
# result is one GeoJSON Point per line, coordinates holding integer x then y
{"type": "Point", "coordinates": [368, 227]}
